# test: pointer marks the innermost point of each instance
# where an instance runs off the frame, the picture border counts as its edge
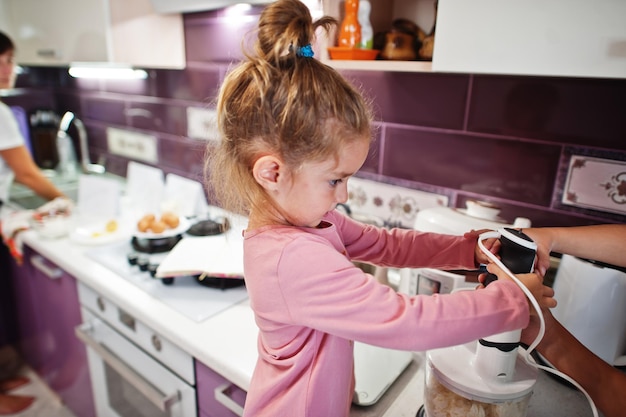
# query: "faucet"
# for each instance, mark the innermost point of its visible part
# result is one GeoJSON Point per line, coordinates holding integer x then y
{"type": "Point", "coordinates": [66, 149]}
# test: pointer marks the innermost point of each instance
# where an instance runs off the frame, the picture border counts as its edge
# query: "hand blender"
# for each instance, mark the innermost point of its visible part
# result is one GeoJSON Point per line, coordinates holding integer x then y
{"type": "Point", "coordinates": [496, 354]}
{"type": "Point", "coordinates": [488, 374]}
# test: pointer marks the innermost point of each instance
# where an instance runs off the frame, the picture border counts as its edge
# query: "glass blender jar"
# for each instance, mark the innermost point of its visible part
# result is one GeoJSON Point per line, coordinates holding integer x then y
{"type": "Point", "coordinates": [455, 387]}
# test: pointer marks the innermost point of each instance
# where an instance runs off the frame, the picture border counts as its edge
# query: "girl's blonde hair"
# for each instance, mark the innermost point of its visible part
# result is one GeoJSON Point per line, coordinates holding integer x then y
{"type": "Point", "coordinates": [279, 102]}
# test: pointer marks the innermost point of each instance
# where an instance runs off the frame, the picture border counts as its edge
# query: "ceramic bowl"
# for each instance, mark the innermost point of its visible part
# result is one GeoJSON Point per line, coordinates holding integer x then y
{"type": "Point", "coordinates": [51, 226]}
{"type": "Point", "coordinates": [482, 209]}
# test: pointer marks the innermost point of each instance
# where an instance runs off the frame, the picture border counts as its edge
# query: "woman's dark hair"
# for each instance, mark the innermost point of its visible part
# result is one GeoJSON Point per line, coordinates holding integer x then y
{"type": "Point", "coordinates": [6, 44]}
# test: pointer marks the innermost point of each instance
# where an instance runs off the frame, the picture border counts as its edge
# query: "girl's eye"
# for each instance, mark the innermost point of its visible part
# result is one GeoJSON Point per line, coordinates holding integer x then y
{"type": "Point", "coordinates": [334, 183]}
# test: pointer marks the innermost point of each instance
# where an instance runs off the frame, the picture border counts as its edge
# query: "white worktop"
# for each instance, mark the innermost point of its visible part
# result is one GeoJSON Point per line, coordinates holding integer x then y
{"type": "Point", "coordinates": [227, 342]}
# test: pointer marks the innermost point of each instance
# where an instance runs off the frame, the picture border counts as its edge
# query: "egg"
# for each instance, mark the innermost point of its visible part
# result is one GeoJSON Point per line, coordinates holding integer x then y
{"type": "Point", "coordinates": [171, 219]}
{"type": "Point", "coordinates": [158, 226]}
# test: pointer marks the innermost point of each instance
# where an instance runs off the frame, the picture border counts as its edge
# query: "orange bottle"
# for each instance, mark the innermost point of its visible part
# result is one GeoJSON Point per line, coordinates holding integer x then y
{"type": "Point", "coordinates": [350, 31]}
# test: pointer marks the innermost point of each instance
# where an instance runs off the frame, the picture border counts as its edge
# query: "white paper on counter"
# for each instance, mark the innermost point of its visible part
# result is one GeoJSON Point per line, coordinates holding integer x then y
{"type": "Point", "coordinates": [144, 188]}
{"type": "Point", "coordinates": [183, 196]}
{"type": "Point", "coordinates": [98, 197]}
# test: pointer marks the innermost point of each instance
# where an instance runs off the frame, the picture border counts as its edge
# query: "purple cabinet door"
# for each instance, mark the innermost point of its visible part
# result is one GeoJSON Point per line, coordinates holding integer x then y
{"type": "Point", "coordinates": [29, 323]}
{"type": "Point", "coordinates": [217, 397]}
{"type": "Point", "coordinates": [48, 316]}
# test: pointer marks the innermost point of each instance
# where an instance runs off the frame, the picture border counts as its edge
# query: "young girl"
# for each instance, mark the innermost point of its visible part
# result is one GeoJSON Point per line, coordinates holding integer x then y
{"type": "Point", "coordinates": [293, 132]}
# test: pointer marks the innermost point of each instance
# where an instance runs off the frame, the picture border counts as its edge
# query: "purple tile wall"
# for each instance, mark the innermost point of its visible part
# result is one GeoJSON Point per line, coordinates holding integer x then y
{"type": "Point", "coordinates": [503, 139]}
{"type": "Point", "coordinates": [507, 169]}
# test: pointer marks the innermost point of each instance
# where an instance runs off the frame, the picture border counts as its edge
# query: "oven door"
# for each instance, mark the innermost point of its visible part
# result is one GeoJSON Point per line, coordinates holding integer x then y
{"type": "Point", "coordinates": [127, 382]}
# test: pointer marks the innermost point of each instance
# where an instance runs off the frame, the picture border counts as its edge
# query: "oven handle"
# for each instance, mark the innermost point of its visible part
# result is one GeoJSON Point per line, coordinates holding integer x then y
{"type": "Point", "coordinates": [221, 396]}
{"type": "Point", "coordinates": [161, 401]}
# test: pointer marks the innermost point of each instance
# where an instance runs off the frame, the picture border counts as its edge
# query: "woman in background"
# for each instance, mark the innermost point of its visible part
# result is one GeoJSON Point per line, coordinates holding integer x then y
{"type": "Point", "coordinates": [16, 164]}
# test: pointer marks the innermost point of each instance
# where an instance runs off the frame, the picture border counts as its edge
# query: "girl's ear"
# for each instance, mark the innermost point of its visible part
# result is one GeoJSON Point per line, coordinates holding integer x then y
{"type": "Point", "coordinates": [266, 171]}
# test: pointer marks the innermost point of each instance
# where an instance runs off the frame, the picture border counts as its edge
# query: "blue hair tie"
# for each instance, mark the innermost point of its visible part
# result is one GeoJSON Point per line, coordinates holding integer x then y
{"type": "Point", "coordinates": [305, 51]}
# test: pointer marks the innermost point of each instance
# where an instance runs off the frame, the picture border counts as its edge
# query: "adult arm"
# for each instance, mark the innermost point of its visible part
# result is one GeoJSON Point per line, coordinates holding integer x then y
{"type": "Point", "coordinates": [604, 243]}
{"type": "Point", "coordinates": [28, 174]}
{"type": "Point", "coordinates": [604, 384]}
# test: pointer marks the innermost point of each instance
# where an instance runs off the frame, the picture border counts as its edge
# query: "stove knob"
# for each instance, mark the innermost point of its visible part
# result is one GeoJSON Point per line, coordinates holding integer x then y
{"type": "Point", "coordinates": [167, 281]}
{"type": "Point", "coordinates": [152, 269]}
{"type": "Point", "coordinates": [143, 263]}
{"type": "Point", "coordinates": [132, 258]}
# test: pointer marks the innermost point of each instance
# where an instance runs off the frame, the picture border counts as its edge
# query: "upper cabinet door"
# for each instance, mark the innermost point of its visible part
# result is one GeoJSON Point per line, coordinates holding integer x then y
{"type": "Point", "coordinates": [55, 32]}
{"type": "Point", "coordinates": [59, 32]}
{"type": "Point", "coordinates": [142, 37]}
{"type": "Point", "coordinates": [575, 38]}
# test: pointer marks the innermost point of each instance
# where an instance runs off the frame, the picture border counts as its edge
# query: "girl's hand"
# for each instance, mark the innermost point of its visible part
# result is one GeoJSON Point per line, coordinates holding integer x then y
{"type": "Point", "coordinates": [534, 282]}
{"type": "Point", "coordinates": [492, 245]}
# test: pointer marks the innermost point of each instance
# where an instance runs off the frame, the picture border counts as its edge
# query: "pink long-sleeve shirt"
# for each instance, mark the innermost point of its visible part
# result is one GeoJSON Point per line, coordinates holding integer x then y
{"type": "Point", "coordinates": [310, 303]}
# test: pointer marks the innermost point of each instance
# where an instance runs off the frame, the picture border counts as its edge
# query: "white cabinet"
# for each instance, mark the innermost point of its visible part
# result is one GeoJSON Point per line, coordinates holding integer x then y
{"type": "Point", "coordinates": [59, 32]}
{"type": "Point", "coordinates": [574, 38]}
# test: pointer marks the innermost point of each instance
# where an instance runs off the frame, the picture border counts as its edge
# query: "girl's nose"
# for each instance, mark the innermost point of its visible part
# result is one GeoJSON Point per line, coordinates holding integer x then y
{"type": "Point", "coordinates": [342, 193]}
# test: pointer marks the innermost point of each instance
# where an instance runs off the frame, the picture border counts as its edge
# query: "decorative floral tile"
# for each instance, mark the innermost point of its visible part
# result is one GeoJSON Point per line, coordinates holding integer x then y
{"type": "Point", "coordinates": [595, 183]}
{"type": "Point", "coordinates": [396, 206]}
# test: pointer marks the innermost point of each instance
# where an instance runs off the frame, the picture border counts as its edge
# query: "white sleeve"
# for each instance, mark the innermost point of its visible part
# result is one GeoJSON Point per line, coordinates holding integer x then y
{"type": "Point", "coordinates": [10, 136]}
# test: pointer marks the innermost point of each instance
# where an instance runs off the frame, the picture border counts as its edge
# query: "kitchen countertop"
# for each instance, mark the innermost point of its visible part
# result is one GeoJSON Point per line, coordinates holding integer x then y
{"type": "Point", "coordinates": [227, 341]}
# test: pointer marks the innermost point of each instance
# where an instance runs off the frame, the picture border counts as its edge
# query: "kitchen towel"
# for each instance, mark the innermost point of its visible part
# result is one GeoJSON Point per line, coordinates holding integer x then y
{"type": "Point", "coordinates": [13, 223]}
{"type": "Point", "coordinates": [11, 226]}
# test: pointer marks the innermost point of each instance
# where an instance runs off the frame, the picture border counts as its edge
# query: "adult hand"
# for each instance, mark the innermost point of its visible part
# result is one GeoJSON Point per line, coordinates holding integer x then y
{"type": "Point", "coordinates": [544, 246]}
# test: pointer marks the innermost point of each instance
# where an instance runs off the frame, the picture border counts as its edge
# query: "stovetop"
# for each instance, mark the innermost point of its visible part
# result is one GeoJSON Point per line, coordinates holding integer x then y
{"type": "Point", "coordinates": [185, 294]}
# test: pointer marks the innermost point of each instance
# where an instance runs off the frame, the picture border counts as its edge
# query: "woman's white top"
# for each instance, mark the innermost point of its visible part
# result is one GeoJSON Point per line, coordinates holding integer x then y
{"type": "Point", "coordinates": [10, 137]}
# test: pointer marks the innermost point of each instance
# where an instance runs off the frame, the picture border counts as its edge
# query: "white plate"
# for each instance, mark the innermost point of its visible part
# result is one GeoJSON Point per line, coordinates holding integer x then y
{"type": "Point", "coordinates": [96, 234]}
{"type": "Point", "coordinates": [183, 226]}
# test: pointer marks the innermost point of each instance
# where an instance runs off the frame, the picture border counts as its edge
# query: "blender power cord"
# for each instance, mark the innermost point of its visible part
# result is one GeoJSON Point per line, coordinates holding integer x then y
{"type": "Point", "coordinates": [542, 324]}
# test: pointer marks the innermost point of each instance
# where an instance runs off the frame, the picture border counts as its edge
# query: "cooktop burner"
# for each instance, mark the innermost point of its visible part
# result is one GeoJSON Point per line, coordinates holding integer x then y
{"type": "Point", "coordinates": [158, 245]}
{"type": "Point", "coordinates": [136, 260]}
{"type": "Point", "coordinates": [209, 227]}
{"type": "Point", "coordinates": [186, 295]}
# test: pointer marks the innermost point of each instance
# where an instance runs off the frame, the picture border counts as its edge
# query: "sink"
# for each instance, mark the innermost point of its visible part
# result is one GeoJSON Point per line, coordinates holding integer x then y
{"type": "Point", "coordinates": [32, 201]}
{"type": "Point", "coordinates": [29, 200]}
{"type": "Point", "coordinates": [24, 198]}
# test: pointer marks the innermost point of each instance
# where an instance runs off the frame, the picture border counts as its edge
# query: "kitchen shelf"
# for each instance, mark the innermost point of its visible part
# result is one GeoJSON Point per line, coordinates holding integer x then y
{"type": "Point", "coordinates": [470, 41]}
{"type": "Point", "coordinates": [381, 17]}
{"type": "Point", "coordinates": [398, 66]}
